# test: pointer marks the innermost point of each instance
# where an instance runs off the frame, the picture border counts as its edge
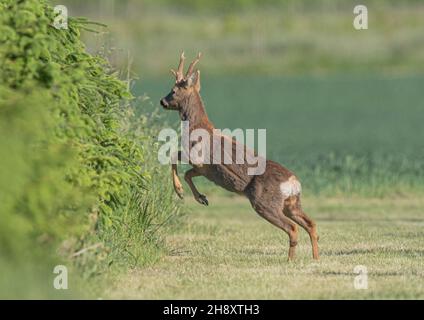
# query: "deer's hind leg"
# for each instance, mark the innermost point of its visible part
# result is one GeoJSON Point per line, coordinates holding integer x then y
{"type": "Point", "coordinates": [276, 217]}
{"type": "Point", "coordinates": [293, 210]}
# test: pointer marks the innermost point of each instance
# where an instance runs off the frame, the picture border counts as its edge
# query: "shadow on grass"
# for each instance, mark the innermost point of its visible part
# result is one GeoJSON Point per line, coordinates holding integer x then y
{"type": "Point", "coordinates": [371, 273]}
{"type": "Point", "coordinates": [364, 219]}
{"type": "Point", "coordinates": [376, 250]}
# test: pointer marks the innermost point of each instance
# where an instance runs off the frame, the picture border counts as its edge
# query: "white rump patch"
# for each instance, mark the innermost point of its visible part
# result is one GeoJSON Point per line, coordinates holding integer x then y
{"type": "Point", "coordinates": [291, 187]}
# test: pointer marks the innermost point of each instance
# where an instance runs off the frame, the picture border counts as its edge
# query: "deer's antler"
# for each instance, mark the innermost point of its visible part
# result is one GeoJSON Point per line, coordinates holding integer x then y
{"type": "Point", "coordinates": [193, 64]}
{"type": "Point", "coordinates": [179, 74]}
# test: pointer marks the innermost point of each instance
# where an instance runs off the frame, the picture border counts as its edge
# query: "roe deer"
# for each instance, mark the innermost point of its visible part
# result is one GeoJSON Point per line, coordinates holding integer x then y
{"type": "Point", "coordinates": [274, 194]}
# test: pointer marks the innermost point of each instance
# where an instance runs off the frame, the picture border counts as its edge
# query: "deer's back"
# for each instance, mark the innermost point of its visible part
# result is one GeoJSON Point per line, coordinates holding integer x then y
{"type": "Point", "coordinates": [231, 169]}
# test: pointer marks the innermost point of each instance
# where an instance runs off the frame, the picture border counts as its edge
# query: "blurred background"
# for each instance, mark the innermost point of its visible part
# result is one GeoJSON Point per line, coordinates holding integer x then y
{"type": "Point", "coordinates": [270, 37]}
{"type": "Point", "coordinates": [342, 107]}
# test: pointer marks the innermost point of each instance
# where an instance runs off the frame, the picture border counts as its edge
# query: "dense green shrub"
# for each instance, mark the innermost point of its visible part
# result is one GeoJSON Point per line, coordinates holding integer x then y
{"type": "Point", "coordinates": [71, 167]}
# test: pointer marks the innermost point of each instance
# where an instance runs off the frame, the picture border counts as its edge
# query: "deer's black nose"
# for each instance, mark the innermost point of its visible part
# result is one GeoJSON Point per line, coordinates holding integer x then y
{"type": "Point", "coordinates": [164, 103]}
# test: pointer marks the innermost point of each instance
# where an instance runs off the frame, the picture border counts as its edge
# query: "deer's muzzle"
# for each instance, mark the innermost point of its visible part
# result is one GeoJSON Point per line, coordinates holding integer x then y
{"type": "Point", "coordinates": [164, 103]}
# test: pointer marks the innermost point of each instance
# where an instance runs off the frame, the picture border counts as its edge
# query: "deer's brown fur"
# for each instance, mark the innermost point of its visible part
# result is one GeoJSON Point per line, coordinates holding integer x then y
{"type": "Point", "coordinates": [274, 195]}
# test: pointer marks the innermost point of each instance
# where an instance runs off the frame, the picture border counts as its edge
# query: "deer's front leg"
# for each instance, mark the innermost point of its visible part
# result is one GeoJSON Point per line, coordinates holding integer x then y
{"type": "Point", "coordinates": [189, 175]}
{"type": "Point", "coordinates": [178, 187]}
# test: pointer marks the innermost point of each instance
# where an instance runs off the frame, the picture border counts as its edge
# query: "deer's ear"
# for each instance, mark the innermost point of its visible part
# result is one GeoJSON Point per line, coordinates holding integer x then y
{"type": "Point", "coordinates": [194, 80]}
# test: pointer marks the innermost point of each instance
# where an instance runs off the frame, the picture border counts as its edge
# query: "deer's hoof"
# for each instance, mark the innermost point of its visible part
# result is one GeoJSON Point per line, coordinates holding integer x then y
{"type": "Point", "coordinates": [202, 199]}
{"type": "Point", "coordinates": [179, 191]}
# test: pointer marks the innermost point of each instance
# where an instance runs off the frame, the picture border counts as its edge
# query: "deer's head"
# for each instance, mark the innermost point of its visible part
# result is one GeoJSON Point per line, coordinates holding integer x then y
{"type": "Point", "coordinates": [184, 87]}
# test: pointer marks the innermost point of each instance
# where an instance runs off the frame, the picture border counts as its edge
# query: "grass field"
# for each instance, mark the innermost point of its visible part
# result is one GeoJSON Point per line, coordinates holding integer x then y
{"type": "Point", "coordinates": [227, 251]}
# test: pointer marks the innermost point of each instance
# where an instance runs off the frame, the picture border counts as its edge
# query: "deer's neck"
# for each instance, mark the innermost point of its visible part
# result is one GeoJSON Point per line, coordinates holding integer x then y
{"type": "Point", "coordinates": [194, 112]}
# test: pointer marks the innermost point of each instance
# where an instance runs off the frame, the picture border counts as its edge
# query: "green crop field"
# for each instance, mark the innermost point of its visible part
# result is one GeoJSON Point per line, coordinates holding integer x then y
{"type": "Point", "coordinates": [339, 134]}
